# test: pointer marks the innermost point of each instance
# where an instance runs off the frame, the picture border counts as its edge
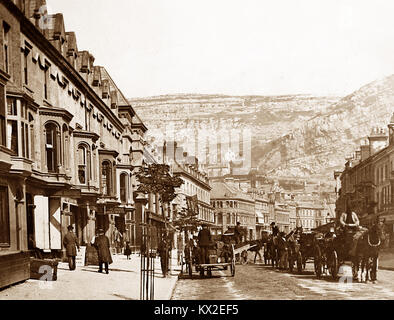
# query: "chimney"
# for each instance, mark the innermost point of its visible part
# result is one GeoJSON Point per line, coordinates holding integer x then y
{"type": "Point", "coordinates": [165, 159]}
{"type": "Point", "coordinates": [377, 140]}
{"type": "Point", "coordinates": [364, 148]}
{"type": "Point", "coordinates": [391, 130]}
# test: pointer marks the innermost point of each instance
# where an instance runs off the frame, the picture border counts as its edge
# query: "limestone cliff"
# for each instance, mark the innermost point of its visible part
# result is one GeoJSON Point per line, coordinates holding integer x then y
{"type": "Point", "coordinates": [292, 136]}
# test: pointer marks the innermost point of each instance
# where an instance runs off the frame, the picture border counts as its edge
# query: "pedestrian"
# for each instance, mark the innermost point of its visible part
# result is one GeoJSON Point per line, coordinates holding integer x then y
{"type": "Point", "coordinates": [275, 229]}
{"type": "Point", "coordinates": [180, 249]}
{"type": "Point", "coordinates": [70, 242]}
{"type": "Point", "coordinates": [163, 249]}
{"type": "Point", "coordinates": [104, 255]}
{"type": "Point", "coordinates": [118, 240]}
{"type": "Point", "coordinates": [127, 250]}
{"type": "Point", "coordinates": [238, 233]}
{"type": "Point", "coordinates": [204, 242]}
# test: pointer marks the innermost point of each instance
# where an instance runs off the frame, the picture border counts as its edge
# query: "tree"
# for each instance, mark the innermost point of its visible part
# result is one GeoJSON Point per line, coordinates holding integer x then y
{"type": "Point", "coordinates": [187, 221]}
{"type": "Point", "coordinates": [156, 179]}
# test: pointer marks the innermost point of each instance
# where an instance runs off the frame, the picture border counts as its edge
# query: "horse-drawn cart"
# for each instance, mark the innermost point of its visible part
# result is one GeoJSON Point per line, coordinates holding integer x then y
{"type": "Point", "coordinates": [221, 256]}
{"type": "Point", "coordinates": [303, 250]}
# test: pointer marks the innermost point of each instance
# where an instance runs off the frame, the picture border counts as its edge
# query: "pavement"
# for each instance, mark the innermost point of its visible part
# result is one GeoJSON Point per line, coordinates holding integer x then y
{"type": "Point", "coordinates": [85, 283]}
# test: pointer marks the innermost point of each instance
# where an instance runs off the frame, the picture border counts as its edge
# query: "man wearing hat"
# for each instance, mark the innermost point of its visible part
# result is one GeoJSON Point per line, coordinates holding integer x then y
{"type": "Point", "coordinates": [238, 233]}
{"type": "Point", "coordinates": [204, 242]}
{"type": "Point", "coordinates": [275, 229]}
{"type": "Point", "coordinates": [104, 255]}
{"type": "Point", "coordinates": [70, 242]}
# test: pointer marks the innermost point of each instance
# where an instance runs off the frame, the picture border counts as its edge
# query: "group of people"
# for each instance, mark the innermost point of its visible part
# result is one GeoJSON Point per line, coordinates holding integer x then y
{"type": "Point", "coordinates": [347, 221]}
{"type": "Point", "coordinates": [100, 242]}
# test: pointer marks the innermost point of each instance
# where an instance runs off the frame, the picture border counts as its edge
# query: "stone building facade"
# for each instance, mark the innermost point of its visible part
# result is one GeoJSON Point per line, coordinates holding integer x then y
{"type": "Point", "coordinates": [69, 140]}
{"type": "Point", "coordinates": [232, 206]}
{"type": "Point", "coordinates": [368, 181]}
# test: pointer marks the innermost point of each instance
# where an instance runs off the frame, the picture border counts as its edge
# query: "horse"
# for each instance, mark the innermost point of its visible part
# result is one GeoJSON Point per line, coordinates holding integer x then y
{"type": "Point", "coordinates": [367, 252]}
{"type": "Point", "coordinates": [272, 251]}
{"type": "Point", "coordinates": [282, 250]}
{"type": "Point", "coordinates": [292, 239]}
{"type": "Point", "coordinates": [257, 246]}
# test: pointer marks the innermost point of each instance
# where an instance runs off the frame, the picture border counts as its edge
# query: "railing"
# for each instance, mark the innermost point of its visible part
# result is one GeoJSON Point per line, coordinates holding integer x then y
{"type": "Point", "coordinates": [147, 282]}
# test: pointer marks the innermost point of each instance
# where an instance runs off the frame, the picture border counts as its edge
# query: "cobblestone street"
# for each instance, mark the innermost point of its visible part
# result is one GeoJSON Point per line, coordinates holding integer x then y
{"type": "Point", "coordinates": [260, 282]}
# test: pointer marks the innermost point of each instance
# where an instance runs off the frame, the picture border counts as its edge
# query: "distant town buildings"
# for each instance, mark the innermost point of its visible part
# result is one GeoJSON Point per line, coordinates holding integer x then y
{"type": "Point", "coordinates": [232, 206]}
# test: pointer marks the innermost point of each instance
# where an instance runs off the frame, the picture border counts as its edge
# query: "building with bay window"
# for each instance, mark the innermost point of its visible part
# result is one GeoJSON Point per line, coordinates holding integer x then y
{"type": "Point", "coordinates": [367, 180]}
{"type": "Point", "coordinates": [69, 140]}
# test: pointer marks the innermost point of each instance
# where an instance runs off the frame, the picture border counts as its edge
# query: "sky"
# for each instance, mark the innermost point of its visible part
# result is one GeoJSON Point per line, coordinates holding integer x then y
{"type": "Point", "coordinates": [235, 47]}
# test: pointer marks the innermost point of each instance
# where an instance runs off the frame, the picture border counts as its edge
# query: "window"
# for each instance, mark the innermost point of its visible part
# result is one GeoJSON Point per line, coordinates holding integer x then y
{"type": "Point", "coordinates": [82, 165]}
{"type": "Point", "coordinates": [26, 66]}
{"type": "Point", "coordinates": [66, 147]}
{"type": "Point", "coordinates": [4, 218]}
{"type": "Point", "coordinates": [51, 147]}
{"type": "Point", "coordinates": [6, 31]}
{"type": "Point", "coordinates": [106, 176]}
{"type": "Point", "coordinates": [46, 83]}
{"type": "Point", "coordinates": [30, 141]}
{"type": "Point", "coordinates": [12, 107]}
{"type": "Point", "coordinates": [3, 140]}
{"type": "Point", "coordinates": [87, 120]}
{"type": "Point", "coordinates": [13, 136]}
{"type": "Point", "coordinates": [123, 187]}
{"type": "Point", "coordinates": [23, 139]}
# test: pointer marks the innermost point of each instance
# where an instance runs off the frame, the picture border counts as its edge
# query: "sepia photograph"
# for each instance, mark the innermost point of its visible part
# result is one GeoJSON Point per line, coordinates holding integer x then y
{"type": "Point", "coordinates": [183, 150]}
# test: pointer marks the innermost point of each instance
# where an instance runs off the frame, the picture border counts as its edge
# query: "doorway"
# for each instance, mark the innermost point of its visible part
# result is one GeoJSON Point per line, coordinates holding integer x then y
{"type": "Point", "coordinates": [30, 221]}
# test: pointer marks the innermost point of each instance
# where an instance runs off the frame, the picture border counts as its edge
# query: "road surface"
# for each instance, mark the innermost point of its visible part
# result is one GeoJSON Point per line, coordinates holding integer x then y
{"type": "Point", "coordinates": [260, 282]}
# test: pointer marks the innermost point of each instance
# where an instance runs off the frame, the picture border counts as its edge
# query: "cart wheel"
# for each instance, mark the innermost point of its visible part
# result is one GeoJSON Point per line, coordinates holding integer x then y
{"type": "Point", "coordinates": [317, 261]}
{"type": "Point", "coordinates": [299, 262]}
{"type": "Point", "coordinates": [334, 265]}
{"type": "Point", "coordinates": [244, 257]}
{"type": "Point", "coordinates": [232, 268]}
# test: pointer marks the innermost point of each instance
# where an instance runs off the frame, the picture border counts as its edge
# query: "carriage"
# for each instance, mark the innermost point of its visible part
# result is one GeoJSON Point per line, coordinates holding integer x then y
{"type": "Point", "coordinates": [335, 251]}
{"type": "Point", "coordinates": [303, 250]}
{"type": "Point", "coordinates": [221, 256]}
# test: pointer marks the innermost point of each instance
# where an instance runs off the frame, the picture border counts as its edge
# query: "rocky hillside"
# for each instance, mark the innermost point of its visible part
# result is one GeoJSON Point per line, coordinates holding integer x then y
{"type": "Point", "coordinates": [321, 144]}
{"type": "Point", "coordinates": [185, 117]}
{"type": "Point", "coordinates": [292, 136]}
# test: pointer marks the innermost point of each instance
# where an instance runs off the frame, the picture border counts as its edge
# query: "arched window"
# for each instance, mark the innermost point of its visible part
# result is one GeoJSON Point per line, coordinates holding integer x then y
{"type": "Point", "coordinates": [106, 178]}
{"type": "Point", "coordinates": [31, 137]}
{"type": "Point", "coordinates": [82, 164]}
{"type": "Point", "coordinates": [123, 187]}
{"type": "Point", "coordinates": [51, 147]}
{"type": "Point", "coordinates": [66, 145]}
